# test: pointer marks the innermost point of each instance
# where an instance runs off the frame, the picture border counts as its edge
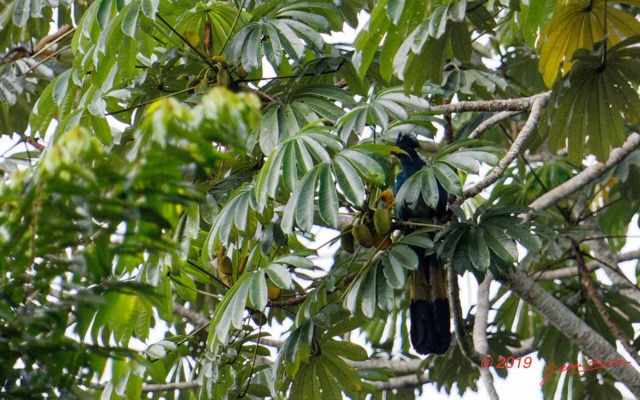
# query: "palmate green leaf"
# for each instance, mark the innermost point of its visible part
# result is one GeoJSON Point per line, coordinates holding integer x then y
{"type": "Point", "coordinates": [351, 299]}
{"type": "Point", "coordinates": [10, 87]}
{"type": "Point", "coordinates": [578, 25]}
{"type": "Point", "coordinates": [499, 242]}
{"type": "Point", "coordinates": [382, 107]}
{"type": "Point", "coordinates": [300, 208]}
{"type": "Point", "coordinates": [220, 17]}
{"type": "Point", "coordinates": [306, 201]}
{"type": "Point", "coordinates": [424, 185]}
{"type": "Point", "coordinates": [316, 300]}
{"type": "Point", "coordinates": [412, 14]}
{"type": "Point", "coordinates": [130, 19]}
{"type": "Point", "coordinates": [478, 250]}
{"type": "Point", "coordinates": [369, 38]}
{"type": "Point", "coordinates": [448, 178]}
{"type": "Point", "coordinates": [236, 218]}
{"type": "Point", "coordinates": [348, 180]}
{"type": "Point", "coordinates": [402, 256]}
{"type": "Point", "coordinates": [394, 272]}
{"type": "Point", "coordinates": [279, 275]}
{"type": "Point", "coordinates": [536, 14]}
{"type": "Point", "coordinates": [329, 388]}
{"type": "Point", "coordinates": [369, 301]}
{"type": "Point", "coordinates": [384, 292]}
{"type": "Point", "coordinates": [284, 26]}
{"type": "Point", "coordinates": [185, 286]}
{"type": "Point", "coordinates": [321, 101]}
{"type": "Point", "coordinates": [588, 109]}
{"type": "Point", "coordinates": [370, 165]}
{"type": "Point", "coordinates": [308, 386]}
{"type": "Point", "coordinates": [283, 121]}
{"type": "Point", "coordinates": [416, 186]}
{"type": "Point", "coordinates": [258, 294]}
{"type": "Point", "coordinates": [414, 62]}
{"type": "Point", "coordinates": [328, 197]}
{"type": "Point", "coordinates": [295, 351]}
{"type": "Point", "coordinates": [228, 313]}
{"type": "Point", "coordinates": [346, 377]}
{"type": "Point", "coordinates": [341, 348]}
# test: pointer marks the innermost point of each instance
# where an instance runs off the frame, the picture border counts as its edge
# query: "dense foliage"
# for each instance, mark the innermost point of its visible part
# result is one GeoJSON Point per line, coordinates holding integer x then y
{"type": "Point", "coordinates": [167, 166]}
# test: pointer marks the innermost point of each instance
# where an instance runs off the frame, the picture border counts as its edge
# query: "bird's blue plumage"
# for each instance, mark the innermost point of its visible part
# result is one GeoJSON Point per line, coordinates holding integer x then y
{"type": "Point", "coordinates": [429, 309]}
{"type": "Point", "coordinates": [412, 163]}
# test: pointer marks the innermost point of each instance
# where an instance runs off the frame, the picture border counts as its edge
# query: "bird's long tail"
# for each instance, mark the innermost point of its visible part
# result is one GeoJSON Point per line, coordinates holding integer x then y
{"type": "Point", "coordinates": [429, 310]}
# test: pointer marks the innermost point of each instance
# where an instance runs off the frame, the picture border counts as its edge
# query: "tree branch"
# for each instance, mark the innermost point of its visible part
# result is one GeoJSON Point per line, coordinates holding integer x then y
{"type": "Point", "coordinates": [398, 367]}
{"type": "Point", "coordinates": [458, 321]}
{"type": "Point", "coordinates": [401, 382]}
{"type": "Point", "coordinates": [527, 346]}
{"type": "Point", "coordinates": [572, 327]}
{"type": "Point", "coordinates": [631, 255]}
{"type": "Point", "coordinates": [165, 387]}
{"type": "Point", "coordinates": [604, 256]}
{"type": "Point", "coordinates": [33, 142]}
{"type": "Point", "coordinates": [491, 122]}
{"type": "Point", "coordinates": [521, 104]}
{"type": "Point", "coordinates": [192, 316]}
{"type": "Point", "coordinates": [538, 103]}
{"type": "Point", "coordinates": [568, 272]}
{"type": "Point", "coordinates": [480, 333]}
{"type": "Point", "coordinates": [588, 175]}
{"type": "Point", "coordinates": [599, 303]}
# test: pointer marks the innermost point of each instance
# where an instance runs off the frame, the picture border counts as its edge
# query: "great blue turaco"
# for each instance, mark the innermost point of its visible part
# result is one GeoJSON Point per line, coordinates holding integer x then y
{"type": "Point", "coordinates": [430, 330]}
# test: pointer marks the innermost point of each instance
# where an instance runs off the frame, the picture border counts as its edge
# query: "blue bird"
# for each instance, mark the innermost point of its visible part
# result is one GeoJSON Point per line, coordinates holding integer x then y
{"type": "Point", "coordinates": [429, 314]}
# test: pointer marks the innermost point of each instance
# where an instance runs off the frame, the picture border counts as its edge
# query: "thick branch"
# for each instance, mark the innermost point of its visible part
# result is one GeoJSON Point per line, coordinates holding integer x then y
{"type": "Point", "coordinates": [572, 327]}
{"type": "Point", "coordinates": [480, 333]}
{"type": "Point", "coordinates": [482, 317]}
{"type": "Point", "coordinates": [604, 256]}
{"type": "Point", "coordinates": [512, 154]}
{"type": "Point", "coordinates": [401, 382]}
{"type": "Point", "coordinates": [165, 387]}
{"type": "Point", "coordinates": [458, 321]}
{"type": "Point", "coordinates": [521, 104]}
{"type": "Point", "coordinates": [491, 122]}
{"type": "Point", "coordinates": [527, 346]}
{"type": "Point", "coordinates": [568, 272]}
{"type": "Point", "coordinates": [599, 303]}
{"type": "Point", "coordinates": [398, 367]}
{"type": "Point", "coordinates": [586, 176]}
{"type": "Point", "coordinates": [191, 316]}
{"type": "Point", "coordinates": [631, 255]}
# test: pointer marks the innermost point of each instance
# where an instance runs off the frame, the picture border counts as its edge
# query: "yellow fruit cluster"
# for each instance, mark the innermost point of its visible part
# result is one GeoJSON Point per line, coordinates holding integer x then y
{"type": "Point", "coordinates": [373, 229]}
